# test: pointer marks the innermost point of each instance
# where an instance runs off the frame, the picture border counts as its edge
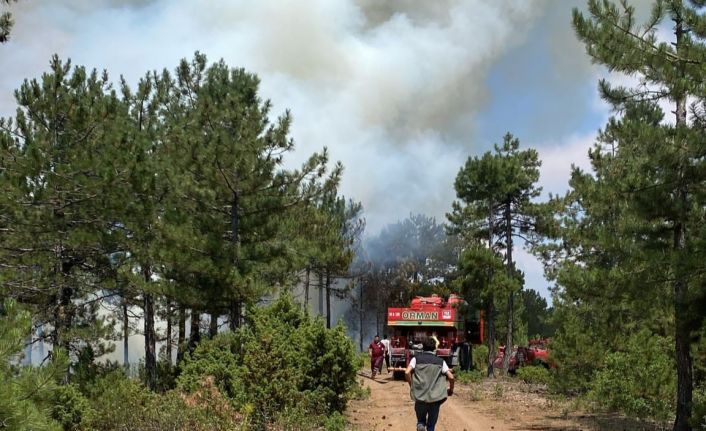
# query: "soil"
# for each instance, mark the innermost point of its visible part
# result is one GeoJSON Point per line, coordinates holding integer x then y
{"type": "Point", "coordinates": [497, 405]}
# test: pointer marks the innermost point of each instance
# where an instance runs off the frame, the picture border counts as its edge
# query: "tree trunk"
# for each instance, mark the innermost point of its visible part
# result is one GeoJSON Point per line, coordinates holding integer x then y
{"type": "Point", "coordinates": [63, 319]}
{"type": "Point", "coordinates": [328, 298]}
{"type": "Point", "coordinates": [321, 293]}
{"type": "Point", "coordinates": [126, 335]}
{"type": "Point", "coordinates": [195, 329]}
{"type": "Point", "coordinates": [150, 341]}
{"type": "Point", "coordinates": [682, 341]}
{"type": "Point", "coordinates": [511, 295]}
{"type": "Point", "coordinates": [360, 313]}
{"type": "Point", "coordinates": [490, 306]}
{"type": "Point", "coordinates": [490, 310]}
{"type": "Point", "coordinates": [213, 325]}
{"type": "Point", "coordinates": [307, 280]}
{"type": "Point", "coordinates": [181, 341]}
{"type": "Point", "coordinates": [168, 348]}
{"type": "Point", "coordinates": [235, 315]}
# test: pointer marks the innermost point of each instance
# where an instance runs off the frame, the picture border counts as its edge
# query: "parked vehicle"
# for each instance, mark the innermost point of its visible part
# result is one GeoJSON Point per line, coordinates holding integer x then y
{"type": "Point", "coordinates": [535, 353]}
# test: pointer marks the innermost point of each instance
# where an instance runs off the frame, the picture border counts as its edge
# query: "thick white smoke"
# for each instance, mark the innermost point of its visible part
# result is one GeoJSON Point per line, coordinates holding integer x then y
{"type": "Point", "coordinates": [390, 87]}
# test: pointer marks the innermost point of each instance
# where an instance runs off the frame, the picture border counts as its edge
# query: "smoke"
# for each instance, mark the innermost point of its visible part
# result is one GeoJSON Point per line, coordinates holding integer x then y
{"type": "Point", "coordinates": [392, 88]}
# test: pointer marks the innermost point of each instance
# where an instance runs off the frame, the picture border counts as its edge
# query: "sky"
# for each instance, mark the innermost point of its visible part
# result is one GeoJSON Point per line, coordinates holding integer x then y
{"type": "Point", "coordinates": [401, 92]}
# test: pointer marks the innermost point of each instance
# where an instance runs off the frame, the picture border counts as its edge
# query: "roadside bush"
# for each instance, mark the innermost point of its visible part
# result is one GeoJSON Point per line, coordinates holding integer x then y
{"type": "Point", "coordinates": [467, 377]}
{"type": "Point", "coordinates": [120, 403]}
{"type": "Point", "coordinates": [639, 381]}
{"type": "Point", "coordinates": [335, 422]}
{"type": "Point", "coordinates": [282, 361]}
{"type": "Point", "coordinates": [358, 392]}
{"type": "Point", "coordinates": [535, 375]}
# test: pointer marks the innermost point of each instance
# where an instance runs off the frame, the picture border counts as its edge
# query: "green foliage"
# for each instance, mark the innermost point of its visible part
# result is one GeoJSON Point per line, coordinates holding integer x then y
{"type": "Point", "coordinates": [166, 374]}
{"type": "Point", "coordinates": [335, 422]}
{"type": "Point", "coordinates": [630, 232]}
{"type": "Point", "coordinates": [6, 23]}
{"type": "Point", "coordinates": [537, 375]}
{"type": "Point", "coordinates": [467, 377]}
{"type": "Point", "coordinates": [537, 314]}
{"type": "Point", "coordinates": [480, 358]}
{"type": "Point", "coordinates": [699, 414]}
{"type": "Point", "coordinates": [578, 348]}
{"type": "Point", "coordinates": [493, 209]}
{"type": "Point", "coordinates": [359, 392]}
{"type": "Point", "coordinates": [639, 380]}
{"type": "Point", "coordinates": [26, 393]}
{"type": "Point", "coordinates": [120, 403]}
{"type": "Point", "coordinates": [71, 407]}
{"type": "Point", "coordinates": [283, 360]}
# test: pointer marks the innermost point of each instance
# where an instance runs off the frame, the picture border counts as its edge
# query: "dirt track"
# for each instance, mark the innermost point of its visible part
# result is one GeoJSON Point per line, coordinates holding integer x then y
{"type": "Point", "coordinates": [498, 405]}
{"type": "Point", "coordinates": [390, 408]}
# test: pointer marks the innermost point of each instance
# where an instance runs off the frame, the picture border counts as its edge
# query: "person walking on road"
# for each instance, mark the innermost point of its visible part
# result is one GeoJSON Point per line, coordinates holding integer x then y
{"type": "Point", "coordinates": [386, 342]}
{"type": "Point", "coordinates": [376, 351]}
{"type": "Point", "coordinates": [427, 375]}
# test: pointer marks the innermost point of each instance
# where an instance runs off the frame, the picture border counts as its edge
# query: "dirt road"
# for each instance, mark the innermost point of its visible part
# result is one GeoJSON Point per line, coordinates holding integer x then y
{"type": "Point", "coordinates": [390, 408]}
{"type": "Point", "coordinates": [490, 405]}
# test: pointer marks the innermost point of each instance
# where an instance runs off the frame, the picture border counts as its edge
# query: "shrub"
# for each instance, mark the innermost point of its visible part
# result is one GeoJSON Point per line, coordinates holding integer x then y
{"type": "Point", "coordinates": [282, 361]}
{"type": "Point", "coordinates": [480, 357]}
{"type": "Point", "coordinates": [70, 407]}
{"type": "Point", "coordinates": [537, 375]}
{"type": "Point", "coordinates": [578, 351]}
{"type": "Point", "coordinates": [335, 422]}
{"type": "Point", "coordinates": [120, 403]}
{"type": "Point", "coordinates": [25, 392]}
{"type": "Point", "coordinates": [358, 392]}
{"type": "Point", "coordinates": [638, 381]}
{"type": "Point", "coordinates": [467, 377]}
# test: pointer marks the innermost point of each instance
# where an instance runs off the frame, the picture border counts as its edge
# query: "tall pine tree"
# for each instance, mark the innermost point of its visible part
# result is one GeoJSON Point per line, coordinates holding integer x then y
{"type": "Point", "coordinates": [634, 226]}
{"type": "Point", "coordinates": [495, 193]}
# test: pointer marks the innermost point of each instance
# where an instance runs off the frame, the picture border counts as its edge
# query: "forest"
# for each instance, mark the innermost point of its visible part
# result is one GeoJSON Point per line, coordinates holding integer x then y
{"type": "Point", "coordinates": [170, 208]}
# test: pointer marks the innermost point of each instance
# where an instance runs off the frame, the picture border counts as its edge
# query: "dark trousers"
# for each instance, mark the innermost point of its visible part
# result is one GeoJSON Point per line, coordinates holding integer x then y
{"type": "Point", "coordinates": [387, 363]}
{"type": "Point", "coordinates": [427, 413]}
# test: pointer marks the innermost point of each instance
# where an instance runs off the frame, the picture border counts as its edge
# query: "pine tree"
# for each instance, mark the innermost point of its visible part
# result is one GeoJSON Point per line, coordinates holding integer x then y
{"type": "Point", "coordinates": [57, 178]}
{"type": "Point", "coordinates": [634, 226]}
{"type": "Point", "coordinates": [142, 209]}
{"type": "Point", "coordinates": [25, 394]}
{"type": "Point", "coordinates": [495, 193]}
{"type": "Point", "coordinates": [342, 227]}
{"type": "Point", "coordinates": [6, 23]}
{"type": "Point", "coordinates": [231, 220]}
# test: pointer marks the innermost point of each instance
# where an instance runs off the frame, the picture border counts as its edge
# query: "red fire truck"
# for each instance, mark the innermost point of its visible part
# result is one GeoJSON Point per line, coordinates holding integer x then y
{"type": "Point", "coordinates": [447, 320]}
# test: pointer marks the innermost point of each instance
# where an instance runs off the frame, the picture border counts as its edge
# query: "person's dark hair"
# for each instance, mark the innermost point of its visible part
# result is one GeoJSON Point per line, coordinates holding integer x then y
{"type": "Point", "coordinates": [428, 344]}
{"type": "Point", "coordinates": [376, 336]}
{"type": "Point", "coordinates": [384, 336]}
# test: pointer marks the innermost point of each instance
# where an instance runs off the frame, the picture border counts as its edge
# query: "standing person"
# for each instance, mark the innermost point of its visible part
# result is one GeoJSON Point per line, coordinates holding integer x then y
{"type": "Point", "coordinates": [427, 375]}
{"type": "Point", "coordinates": [376, 351]}
{"type": "Point", "coordinates": [386, 342]}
